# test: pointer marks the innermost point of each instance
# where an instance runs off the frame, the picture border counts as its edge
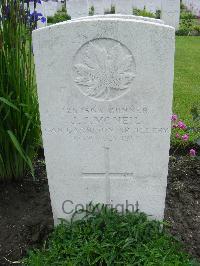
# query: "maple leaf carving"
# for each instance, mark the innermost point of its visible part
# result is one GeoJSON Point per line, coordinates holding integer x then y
{"type": "Point", "coordinates": [104, 74]}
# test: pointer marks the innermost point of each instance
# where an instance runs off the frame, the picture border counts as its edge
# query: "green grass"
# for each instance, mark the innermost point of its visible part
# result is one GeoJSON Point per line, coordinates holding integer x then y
{"type": "Point", "coordinates": [106, 237]}
{"type": "Point", "coordinates": [187, 80]}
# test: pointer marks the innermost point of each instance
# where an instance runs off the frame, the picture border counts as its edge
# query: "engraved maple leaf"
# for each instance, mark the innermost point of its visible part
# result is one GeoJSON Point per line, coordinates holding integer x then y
{"type": "Point", "coordinates": [104, 73]}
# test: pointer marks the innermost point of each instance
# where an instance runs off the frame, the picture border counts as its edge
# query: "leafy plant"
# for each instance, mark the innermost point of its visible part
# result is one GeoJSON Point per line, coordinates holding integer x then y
{"type": "Point", "coordinates": [19, 119]}
{"type": "Point", "coordinates": [187, 23]}
{"type": "Point", "coordinates": [143, 13]}
{"type": "Point", "coordinates": [158, 14]}
{"type": "Point", "coordinates": [110, 11]}
{"type": "Point", "coordinates": [91, 11]}
{"type": "Point", "coordinates": [105, 237]}
{"type": "Point", "coordinates": [60, 16]}
{"type": "Point", "coordinates": [187, 15]}
{"type": "Point", "coordinates": [195, 111]}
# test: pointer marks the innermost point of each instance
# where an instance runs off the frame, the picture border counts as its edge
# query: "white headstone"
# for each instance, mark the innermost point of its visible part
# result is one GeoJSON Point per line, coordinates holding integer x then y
{"type": "Point", "coordinates": [150, 5]}
{"type": "Point", "coordinates": [193, 6]}
{"type": "Point", "coordinates": [105, 93]}
{"type": "Point", "coordinates": [59, 5]}
{"type": "Point", "coordinates": [123, 7]}
{"type": "Point", "coordinates": [139, 4]}
{"type": "Point", "coordinates": [98, 6]}
{"type": "Point", "coordinates": [77, 8]}
{"type": "Point", "coordinates": [51, 8]}
{"type": "Point", "coordinates": [107, 5]}
{"type": "Point", "coordinates": [120, 16]}
{"type": "Point", "coordinates": [170, 12]}
{"type": "Point", "coordinates": [153, 5]}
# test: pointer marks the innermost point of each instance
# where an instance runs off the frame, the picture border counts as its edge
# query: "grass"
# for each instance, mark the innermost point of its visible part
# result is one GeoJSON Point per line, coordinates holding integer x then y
{"type": "Point", "coordinates": [105, 237]}
{"type": "Point", "coordinates": [187, 81]}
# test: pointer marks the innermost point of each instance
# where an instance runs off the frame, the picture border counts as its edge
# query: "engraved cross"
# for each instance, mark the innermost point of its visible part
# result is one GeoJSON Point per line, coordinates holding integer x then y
{"type": "Point", "coordinates": [106, 174]}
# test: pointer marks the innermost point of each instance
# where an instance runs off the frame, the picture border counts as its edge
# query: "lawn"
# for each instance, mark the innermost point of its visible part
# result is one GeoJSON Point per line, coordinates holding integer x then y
{"type": "Point", "coordinates": [187, 80]}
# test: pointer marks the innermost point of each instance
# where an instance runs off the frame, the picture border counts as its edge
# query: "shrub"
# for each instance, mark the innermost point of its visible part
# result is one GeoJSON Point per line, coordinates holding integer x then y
{"type": "Point", "coordinates": [195, 30]}
{"type": "Point", "coordinates": [91, 11]}
{"type": "Point", "coordinates": [143, 13]}
{"type": "Point", "coordinates": [183, 30]}
{"type": "Point", "coordinates": [60, 16]}
{"type": "Point", "coordinates": [19, 118]}
{"type": "Point", "coordinates": [158, 14]}
{"type": "Point", "coordinates": [187, 24]}
{"type": "Point", "coordinates": [110, 11]}
{"type": "Point", "coordinates": [105, 237]}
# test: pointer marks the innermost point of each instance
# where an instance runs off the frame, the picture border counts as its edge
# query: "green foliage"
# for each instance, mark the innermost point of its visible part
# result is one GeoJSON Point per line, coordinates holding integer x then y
{"type": "Point", "coordinates": [143, 13]}
{"type": "Point", "coordinates": [105, 237]}
{"type": "Point", "coordinates": [158, 13]}
{"type": "Point", "coordinates": [188, 23]}
{"type": "Point", "coordinates": [60, 16]}
{"type": "Point", "coordinates": [19, 117]}
{"type": "Point", "coordinates": [187, 15]}
{"type": "Point", "coordinates": [182, 6]}
{"type": "Point", "coordinates": [110, 11]}
{"type": "Point", "coordinates": [195, 112]}
{"type": "Point", "coordinates": [91, 11]}
{"type": "Point", "coordinates": [197, 29]}
{"type": "Point", "coordinates": [186, 82]}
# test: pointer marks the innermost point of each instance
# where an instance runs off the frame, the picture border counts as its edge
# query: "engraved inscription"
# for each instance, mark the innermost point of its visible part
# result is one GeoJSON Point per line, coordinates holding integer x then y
{"type": "Point", "coordinates": [104, 69]}
{"type": "Point", "coordinates": [113, 123]}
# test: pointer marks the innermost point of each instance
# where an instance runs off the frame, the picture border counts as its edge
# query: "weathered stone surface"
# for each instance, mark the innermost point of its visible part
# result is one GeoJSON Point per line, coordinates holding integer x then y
{"type": "Point", "coordinates": [120, 16]}
{"type": "Point", "coordinates": [170, 12]}
{"type": "Point", "coordinates": [77, 8]}
{"type": "Point", "coordinates": [123, 7]}
{"type": "Point", "coordinates": [98, 6]}
{"type": "Point", "coordinates": [105, 94]}
{"type": "Point", "coordinates": [50, 8]}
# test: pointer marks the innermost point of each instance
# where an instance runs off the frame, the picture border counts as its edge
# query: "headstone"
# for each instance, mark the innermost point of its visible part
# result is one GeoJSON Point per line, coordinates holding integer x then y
{"type": "Point", "coordinates": [105, 105]}
{"type": "Point", "coordinates": [120, 16]}
{"type": "Point", "coordinates": [139, 4]}
{"type": "Point", "coordinates": [59, 5]}
{"type": "Point", "coordinates": [77, 8]}
{"type": "Point", "coordinates": [51, 8]}
{"type": "Point", "coordinates": [98, 6]}
{"type": "Point", "coordinates": [193, 6]}
{"type": "Point", "coordinates": [123, 7]}
{"type": "Point", "coordinates": [107, 5]}
{"type": "Point", "coordinates": [153, 5]}
{"type": "Point", "coordinates": [170, 12]}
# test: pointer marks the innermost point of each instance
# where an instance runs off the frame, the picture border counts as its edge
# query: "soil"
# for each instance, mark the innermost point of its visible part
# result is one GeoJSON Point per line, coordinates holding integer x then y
{"type": "Point", "coordinates": [26, 216]}
{"type": "Point", "coordinates": [182, 209]}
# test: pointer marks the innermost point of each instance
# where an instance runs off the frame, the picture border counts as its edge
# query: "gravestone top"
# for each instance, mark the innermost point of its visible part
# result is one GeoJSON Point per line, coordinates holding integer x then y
{"type": "Point", "coordinates": [170, 12]}
{"type": "Point", "coordinates": [77, 8]}
{"type": "Point", "coordinates": [120, 16]}
{"type": "Point", "coordinates": [105, 97]}
{"type": "Point", "coordinates": [98, 6]}
{"type": "Point", "coordinates": [123, 7]}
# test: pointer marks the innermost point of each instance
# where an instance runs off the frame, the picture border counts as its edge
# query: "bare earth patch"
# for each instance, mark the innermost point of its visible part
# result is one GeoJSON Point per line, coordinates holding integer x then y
{"type": "Point", "coordinates": [26, 216]}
